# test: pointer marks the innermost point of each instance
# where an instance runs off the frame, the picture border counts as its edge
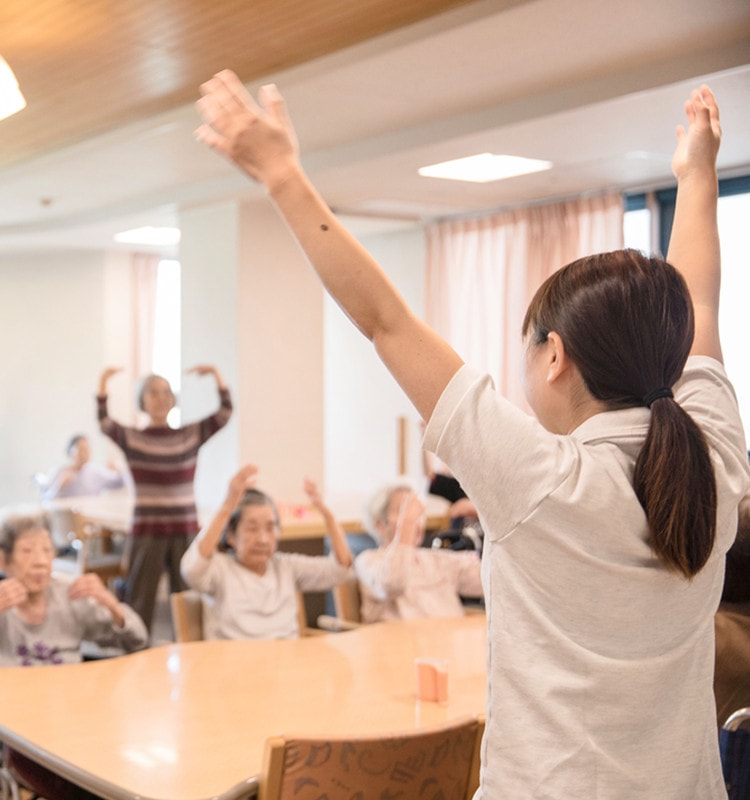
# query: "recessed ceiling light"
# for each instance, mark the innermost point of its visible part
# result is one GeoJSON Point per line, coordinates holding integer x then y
{"type": "Point", "coordinates": [484, 168]}
{"type": "Point", "coordinates": [11, 99]}
{"type": "Point", "coordinates": [149, 235]}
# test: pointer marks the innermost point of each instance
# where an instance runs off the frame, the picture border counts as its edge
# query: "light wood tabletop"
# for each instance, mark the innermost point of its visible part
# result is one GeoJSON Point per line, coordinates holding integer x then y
{"type": "Point", "coordinates": [188, 722]}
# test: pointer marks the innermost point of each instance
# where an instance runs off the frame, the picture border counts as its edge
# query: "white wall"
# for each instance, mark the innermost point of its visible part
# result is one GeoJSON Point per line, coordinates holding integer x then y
{"type": "Point", "coordinates": [363, 403]}
{"type": "Point", "coordinates": [208, 254]}
{"type": "Point", "coordinates": [51, 352]}
{"type": "Point", "coordinates": [311, 396]}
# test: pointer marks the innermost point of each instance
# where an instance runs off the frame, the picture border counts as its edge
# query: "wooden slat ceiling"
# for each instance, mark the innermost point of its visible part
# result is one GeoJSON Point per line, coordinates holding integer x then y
{"type": "Point", "coordinates": [86, 66]}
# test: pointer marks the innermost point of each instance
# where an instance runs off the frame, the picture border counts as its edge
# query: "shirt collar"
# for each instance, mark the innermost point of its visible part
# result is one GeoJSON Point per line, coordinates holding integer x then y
{"type": "Point", "coordinates": [621, 425]}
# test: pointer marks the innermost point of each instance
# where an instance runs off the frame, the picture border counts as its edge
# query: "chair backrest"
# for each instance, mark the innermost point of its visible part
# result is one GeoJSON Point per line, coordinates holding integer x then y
{"type": "Point", "coordinates": [347, 601]}
{"type": "Point", "coordinates": [187, 615]}
{"type": "Point", "coordinates": [84, 546]}
{"type": "Point", "coordinates": [65, 526]}
{"type": "Point", "coordinates": [396, 765]}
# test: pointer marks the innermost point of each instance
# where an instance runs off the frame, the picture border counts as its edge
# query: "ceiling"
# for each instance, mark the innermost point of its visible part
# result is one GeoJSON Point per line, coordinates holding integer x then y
{"type": "Point", "coordinates": [376, 89]}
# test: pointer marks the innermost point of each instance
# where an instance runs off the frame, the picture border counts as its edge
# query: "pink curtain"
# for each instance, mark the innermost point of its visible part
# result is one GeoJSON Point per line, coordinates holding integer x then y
{"type": "Point", "coordinates": [482, 272]}
{"type": "Point", "coordinates": [144, 275]}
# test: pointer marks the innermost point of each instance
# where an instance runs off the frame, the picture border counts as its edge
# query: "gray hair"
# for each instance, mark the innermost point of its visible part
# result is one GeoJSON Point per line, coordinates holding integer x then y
{"type": "Point", "coordinates": [17, 523]}
{"type": "Point", "coordinates": [375, 511]}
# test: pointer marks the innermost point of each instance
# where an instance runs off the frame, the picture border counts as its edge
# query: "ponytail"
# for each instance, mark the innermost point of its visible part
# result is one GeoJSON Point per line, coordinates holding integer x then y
{"type": "Point", "coordinates": [627, 323]}
{"type": "Point", "coordinates": [675, 484]}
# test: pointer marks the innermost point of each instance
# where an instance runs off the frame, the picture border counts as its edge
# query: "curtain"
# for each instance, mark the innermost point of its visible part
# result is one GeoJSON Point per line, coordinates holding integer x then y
{"type": "Point", "coordinates": [144, 275]}
{"type": "Point", "coordinates": [482, 272]}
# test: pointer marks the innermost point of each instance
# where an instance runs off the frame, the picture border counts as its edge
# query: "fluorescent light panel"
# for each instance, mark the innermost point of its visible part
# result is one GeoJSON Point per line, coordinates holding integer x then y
{"type": "Point", "coordinates": [484, 168]}
{"type": "Point", "coordinates": [149, 235]}
{"type": "Point", "coordinates": [11, 99]}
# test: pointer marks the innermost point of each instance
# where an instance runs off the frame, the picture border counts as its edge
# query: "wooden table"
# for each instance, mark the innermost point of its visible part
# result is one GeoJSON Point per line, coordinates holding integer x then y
{"type": "Point", "coordinates": [188, 722]}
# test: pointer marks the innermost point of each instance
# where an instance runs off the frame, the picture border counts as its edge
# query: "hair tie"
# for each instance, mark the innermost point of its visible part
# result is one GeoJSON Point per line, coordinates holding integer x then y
{"type": "Point", "coordinates": [657, 394]}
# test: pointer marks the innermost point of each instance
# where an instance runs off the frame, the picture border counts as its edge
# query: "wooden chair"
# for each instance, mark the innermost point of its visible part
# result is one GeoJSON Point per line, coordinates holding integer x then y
{"type": "Point", "coordinates": [187, 616]}
{"type": "Point", "coordinates": [90, 547]}
{"type": "Point", "coordinates": [372, 767]}
{"type": "Point", "coordinates": [22, 778]}
{"type": "Point", "coordinates": [347, 603]}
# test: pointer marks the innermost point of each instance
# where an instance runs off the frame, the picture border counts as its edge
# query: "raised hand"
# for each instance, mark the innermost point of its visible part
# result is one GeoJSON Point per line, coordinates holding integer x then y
{"type": "Point", "coordinates": [245, 478]}
{"type": "Point", "coordinates": [12, 593]}
{"type": "Point", "coordinates": [258, 138]}
{"type": "Point", "coordinates": [410, 523]}
{"type": "Point", "coordinates": [698, 143]}
{"type": "Point", "coordinates": [206, 369]}
{"type": "Point", "coordinates": [313, 494]}
{"type": "Point", "coordinates": [105, 376]}
{"type": "Point", "coordinates": [90, 585]}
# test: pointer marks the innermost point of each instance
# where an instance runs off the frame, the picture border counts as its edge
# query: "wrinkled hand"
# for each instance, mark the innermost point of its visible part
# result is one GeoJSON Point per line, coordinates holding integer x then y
{"type": "Point", "coordinates": [105, 376]}
{"type": "Point", "coordinates": [313, 494]}
{"type": "Point", "coordinates": [12, 593]}
{"type": "Point", "coordinates": [90, 585]}
{"type": "Point", "coordinates": [244, 479]}
{"type": "Point", "coordinates": [410, 524]}
{"type": "Point", "coordinates": [258, 138]}
{"type": "Point", "coordinates": [698, 144]}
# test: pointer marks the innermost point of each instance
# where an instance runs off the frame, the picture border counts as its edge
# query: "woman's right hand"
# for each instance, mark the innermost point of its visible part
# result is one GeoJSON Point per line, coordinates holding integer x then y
{"type": "Point", "coordinates": [105, 376]}
{"type": "Point", "coordinates": [12, 593]}
{"type": "Point", "coordinates": [245, 478]}
{"type": "Point", "coordinates": [259, 138]}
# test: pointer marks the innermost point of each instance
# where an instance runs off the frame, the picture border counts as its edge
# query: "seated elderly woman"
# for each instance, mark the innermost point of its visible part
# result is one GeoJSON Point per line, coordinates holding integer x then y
{"type": "Point", "coordinates": [44, 620]}
{"type": "Point", "coordinates": [400, 579]}
{"type": "Point", "coordinates": [254, 587]}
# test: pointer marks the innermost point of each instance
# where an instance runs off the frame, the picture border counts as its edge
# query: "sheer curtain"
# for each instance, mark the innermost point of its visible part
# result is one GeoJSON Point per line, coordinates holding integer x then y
{"type": "Point", "coordinates": [482, 272]}
{"type": "Point", "coordinates": [145, 270]}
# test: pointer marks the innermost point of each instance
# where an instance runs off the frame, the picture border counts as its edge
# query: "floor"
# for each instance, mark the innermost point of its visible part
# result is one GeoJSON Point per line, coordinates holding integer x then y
{"type": "Point", "coordinates": [161, 626]}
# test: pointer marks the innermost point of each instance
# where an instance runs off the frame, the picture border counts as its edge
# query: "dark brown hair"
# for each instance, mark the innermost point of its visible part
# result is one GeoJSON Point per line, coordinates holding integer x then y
{"type": "Point", "coordinates": [626, 321]}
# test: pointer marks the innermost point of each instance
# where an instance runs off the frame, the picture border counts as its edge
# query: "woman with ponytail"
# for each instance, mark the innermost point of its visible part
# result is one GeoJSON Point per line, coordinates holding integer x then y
{"type": "Point", "coordinates": [607, 516]}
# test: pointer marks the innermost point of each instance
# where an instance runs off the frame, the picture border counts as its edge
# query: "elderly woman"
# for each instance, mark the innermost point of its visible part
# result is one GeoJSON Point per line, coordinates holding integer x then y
{"type": "Point", "coordinates": [400, 579]}
{"type": "Point", "coordinates": [44, 620]}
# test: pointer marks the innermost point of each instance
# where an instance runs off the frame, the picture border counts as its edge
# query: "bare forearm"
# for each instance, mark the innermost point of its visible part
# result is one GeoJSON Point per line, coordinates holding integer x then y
{"type": "Point", "coordinates": [209, 538]}
{"type": "Point", "coordinates": [347, 270]}
{"type": "Point", "coordinates": [337, 538]}
{"type": "Point", "coordinates": [420, 360]}
{"type": "Point", "coordinates": [694, 250]}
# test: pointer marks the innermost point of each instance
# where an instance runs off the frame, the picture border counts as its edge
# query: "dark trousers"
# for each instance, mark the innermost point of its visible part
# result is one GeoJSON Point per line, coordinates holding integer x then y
{"type": "Point", "coordinates": [149, 557]}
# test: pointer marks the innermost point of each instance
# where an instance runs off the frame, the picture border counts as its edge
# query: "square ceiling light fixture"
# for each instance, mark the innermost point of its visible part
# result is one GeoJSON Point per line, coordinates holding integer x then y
{"type": "Point", "coordinates": [11, 99]}
{"type": "Point", "coordinates": [484, 168]}
{"type": "Point", "coordinates": [150, 235]}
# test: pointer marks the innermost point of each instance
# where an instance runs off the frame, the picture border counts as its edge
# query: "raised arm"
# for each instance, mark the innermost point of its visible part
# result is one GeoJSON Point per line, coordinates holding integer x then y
{"type": "Point", "coordinates": [208, 539]}
{"type": "Point", "coordinates": [336, 533]}
{"type": "Point", "coordinates": [694, 243]}
{"type": "Point", "coordinates": [104, 379]}
{"type": "Point", "coordinates": [208, 369]}
{"type": "Point", "coordinates": [260, 140]}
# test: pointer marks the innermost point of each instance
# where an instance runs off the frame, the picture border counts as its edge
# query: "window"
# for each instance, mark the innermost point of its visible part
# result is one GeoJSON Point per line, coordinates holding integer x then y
{"type": "Point", "coordinates": [167, 329]}
{"type": "Point", "coordinates": [734, 233]}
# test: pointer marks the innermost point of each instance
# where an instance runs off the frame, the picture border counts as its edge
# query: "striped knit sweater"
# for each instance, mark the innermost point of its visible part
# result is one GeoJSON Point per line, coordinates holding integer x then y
{"type": "Point", "coordinates": [162, 462]}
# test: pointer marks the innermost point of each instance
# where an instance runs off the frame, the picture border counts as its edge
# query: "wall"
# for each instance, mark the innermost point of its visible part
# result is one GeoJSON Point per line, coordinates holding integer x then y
{"type": "Point", "coordinates": [208, 254]}
{"type": "Point", "coordinates": [363, 403]}
{"type": "Point", "coordinates": [53, 310]}
{"type": "Point", "coordinates": [311, 396]}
